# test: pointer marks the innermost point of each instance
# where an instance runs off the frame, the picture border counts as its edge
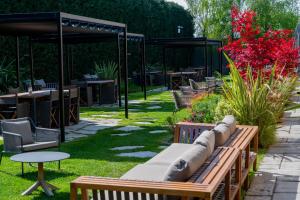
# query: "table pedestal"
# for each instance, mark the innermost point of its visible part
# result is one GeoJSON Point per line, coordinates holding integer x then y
{"type": "Point", "coordinates": [47, 187]}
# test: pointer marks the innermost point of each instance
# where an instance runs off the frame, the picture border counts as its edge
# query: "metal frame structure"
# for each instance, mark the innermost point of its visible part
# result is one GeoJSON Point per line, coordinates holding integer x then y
{"type": "Point", "coordinates": [72, 39]}
{"type": "Point", "coordinates": [60, 25]}
{"type": "Point", "coordinates": [172, 43]}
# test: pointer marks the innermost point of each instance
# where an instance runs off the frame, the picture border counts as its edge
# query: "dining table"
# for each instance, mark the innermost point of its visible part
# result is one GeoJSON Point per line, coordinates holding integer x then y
{"type": "Point", "coordinates": [33, 97]}
{"type": "Point", "coordinates": [178, 79]}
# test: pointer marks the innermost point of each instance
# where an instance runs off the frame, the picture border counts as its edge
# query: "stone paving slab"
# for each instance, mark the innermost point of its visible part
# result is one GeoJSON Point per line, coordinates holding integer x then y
{"type": "Point", "coordinates": [126, 148]}
{"type": "Point", "coordinates": [279, 171]}
{"type": "Point", "coordinates": [130, 128]}
{"type": "Point", "coordinates": [286, 196]}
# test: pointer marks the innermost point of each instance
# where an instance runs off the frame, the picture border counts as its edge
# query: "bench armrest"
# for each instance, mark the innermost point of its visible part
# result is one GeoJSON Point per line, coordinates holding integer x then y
{"type": "Point", "coordinates": [135, 186]}
{"type": "Point", "coordinates": [45, 134]}
{"type": "Point", "coordinates": [12, 142]}
{"type": "Point", "coordinates": [187, 132]}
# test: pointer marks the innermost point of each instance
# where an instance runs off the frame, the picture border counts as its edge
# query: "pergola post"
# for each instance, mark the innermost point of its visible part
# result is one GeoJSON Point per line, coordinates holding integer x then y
{"type": "Point", "coordinates": [144, 68]}
{"type": "Point", "coordinates": [125, 72]}
{"type": "Point", "coordinates": [140, 53]}
{"type": "Point", "coordinates": [211, 60]}
{"type": "Point", "coordinates": [67, 49]}
{"type": "Point", "coordinates": [17, 61]}
{"type": "Point", "coordinates": [31, 61]}
{"type": "Point", "coordinates": [221, 58]}
{"type": "Point", "coordinates": [206, 59]}
{"type": "Point", "coordinates": [164, 65]}
{"type": "Point", "coordinates": [72, 63]}
{"type": "Point", "coordinates": [61, 78]}
{"type": "Point", "coordinates": [119, 70]}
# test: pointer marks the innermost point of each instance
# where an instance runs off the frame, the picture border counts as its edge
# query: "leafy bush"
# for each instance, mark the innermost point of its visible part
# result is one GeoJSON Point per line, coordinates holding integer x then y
{"type": "Point", "coordinates": [221, 110]}
{"type": "Point", "coordinates": [203, 109]}
{"type": "Point", "coordinates": [7, 75]}
{"type": "Point", "coordinates": [107, 70]}
{"type": "Point", "coordinates": [257, 101]}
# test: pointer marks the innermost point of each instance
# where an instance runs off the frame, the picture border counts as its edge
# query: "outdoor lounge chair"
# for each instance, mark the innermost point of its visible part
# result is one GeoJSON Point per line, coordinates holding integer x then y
{"type": "Point", "coordinates": [181, 100]}
{"type": "Point", "coordinates": [198, 87]}
{"type": "Point", "coordinates": [21, 135]}
{"type": "Point", "coordinates": [240, 137]}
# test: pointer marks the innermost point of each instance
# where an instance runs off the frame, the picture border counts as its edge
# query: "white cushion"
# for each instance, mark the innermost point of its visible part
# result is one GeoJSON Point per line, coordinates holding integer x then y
{"type": "Point", "coordinates": [187, 164]}
{"type": "Point", "coordinates": [222, 133]}
{"type": "Point", "coordinates": [207, 139]}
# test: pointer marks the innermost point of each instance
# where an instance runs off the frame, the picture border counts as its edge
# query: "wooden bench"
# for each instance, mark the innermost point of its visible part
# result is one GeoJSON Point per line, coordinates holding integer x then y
{"type": "Point", "coordinates": [212, 179]}
{"type": "Point", "coordinates": [243, 138]}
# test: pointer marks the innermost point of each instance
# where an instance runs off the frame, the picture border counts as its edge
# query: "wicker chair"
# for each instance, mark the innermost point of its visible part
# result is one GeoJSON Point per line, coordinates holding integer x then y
{"type": "Point", "coordinates": [11, 108]}
{"type": "Point", "coordinates": [21, 135]}
{"type": "Point", "coordinates": [198, 87]}
{"type": "Point", "coordinates": [72, 106]}
{"type": "Point", "coordinates": [181, 100]}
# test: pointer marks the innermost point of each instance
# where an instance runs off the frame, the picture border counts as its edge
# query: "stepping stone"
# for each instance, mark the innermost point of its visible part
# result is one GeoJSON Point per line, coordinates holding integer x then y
{"type": "Point", "coordinates": [85, 132]}
{"type": "Point", "coordinates": [1, 138]}
{"type": "Point", "coordinates": [73, 136]}
{"type": "Point", "coordinates": [101, 115]}
{"type": "Point", "coordinates": [158, 131]}
{"type": "Point", "coordinates": [143, 123]}
{"type": "Point", "coordinates": [126, 148]}
{"type": "Point", "coordinates": [148, 119]}
{"type": "Point", "coordinates": [121, 134]}
{"type": "Point", "coordinates": [130, 128]}
{"type": "Point", "coordinates": [153, 107]}
{"type": "Point", "coordinates": [162, 147]}
{"type": "Point", "coordinates": [133, 109]}
{"type": "Point", "coordinates": [135, 101]}
{"type": "Point", "coordinates": [141, 154]}
{"type": "Point", "coordinates": [94, 128]}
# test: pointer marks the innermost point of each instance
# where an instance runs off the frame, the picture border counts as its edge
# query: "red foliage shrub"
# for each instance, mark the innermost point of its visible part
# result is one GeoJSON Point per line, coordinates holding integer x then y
{"type": "Point", "coordinates": [260, 50]}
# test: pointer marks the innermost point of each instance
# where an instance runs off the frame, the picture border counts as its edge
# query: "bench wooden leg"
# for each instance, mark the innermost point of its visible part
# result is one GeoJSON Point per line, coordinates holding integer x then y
{"type": "Point", "coordinates": [84, 194]}
{"type": "Point", "coordinates": [255, 144]}
{"type": "Point", "coordinates": [238, 175]}
{"type": "Point", "coordinates": [73, 193]}
{"type": "Point", "coordinates": [227, 185]}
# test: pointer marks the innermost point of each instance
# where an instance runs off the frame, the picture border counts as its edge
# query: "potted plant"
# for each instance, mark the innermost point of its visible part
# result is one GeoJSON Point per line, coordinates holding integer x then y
{"type": "Point", "coordinates": [107, 71]}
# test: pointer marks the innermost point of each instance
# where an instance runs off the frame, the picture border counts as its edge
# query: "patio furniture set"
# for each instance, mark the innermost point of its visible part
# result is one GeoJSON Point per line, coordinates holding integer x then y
{"type": "Point", "coordinates": [21, 136]}
{"type": "Point", "coordinates": [184, 96]}
{"type": "Point", "coordinates": [42, 106]}
{"type": "Point", "coordinates": [206, 161]}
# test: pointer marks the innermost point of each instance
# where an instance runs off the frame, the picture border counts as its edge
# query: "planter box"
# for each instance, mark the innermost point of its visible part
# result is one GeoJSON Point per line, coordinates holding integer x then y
{"type": "Point", "coordinates": [107, 93]}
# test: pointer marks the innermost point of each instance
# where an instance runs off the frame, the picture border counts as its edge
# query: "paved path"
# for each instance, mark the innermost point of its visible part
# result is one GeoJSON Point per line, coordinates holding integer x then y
{"type": "Point", "coordinates": [278, 177]}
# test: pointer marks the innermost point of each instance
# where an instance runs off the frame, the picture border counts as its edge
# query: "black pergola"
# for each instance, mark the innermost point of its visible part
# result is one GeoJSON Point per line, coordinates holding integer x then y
{"type": "Point", "coordinates": [173, 43]}
{"type": "Point", "coordinates": [60, 25]}
{"type": "Point", "coordinates": [75, 38]}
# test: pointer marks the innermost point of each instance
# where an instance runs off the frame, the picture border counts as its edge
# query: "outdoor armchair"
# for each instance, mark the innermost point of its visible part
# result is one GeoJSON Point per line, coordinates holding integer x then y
{"type": "Point", "coordinates": [198, 87]}
{"type": "Point", "coordinates": [21, 135]}
{"type": "Point", "coordinates": [181, 100]}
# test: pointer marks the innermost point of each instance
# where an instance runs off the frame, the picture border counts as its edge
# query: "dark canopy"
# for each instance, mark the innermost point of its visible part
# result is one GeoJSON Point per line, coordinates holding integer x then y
{"type": "Point", "coordinates": [61, 25]}
{"type": "Point", "coordinates": [173, 43]}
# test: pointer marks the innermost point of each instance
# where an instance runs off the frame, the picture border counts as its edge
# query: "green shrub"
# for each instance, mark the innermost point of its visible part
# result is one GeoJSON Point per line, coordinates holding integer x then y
{"type": "Point", "coordinates": [257, 101]}
{"type": "Point", "coordinates": [203, 110]}
{"type": "Point", "coordinates": [221, 110]}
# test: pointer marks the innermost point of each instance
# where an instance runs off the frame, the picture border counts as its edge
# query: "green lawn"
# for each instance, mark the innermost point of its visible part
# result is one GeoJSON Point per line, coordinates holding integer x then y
{"type": "Point", "coordinates": [92, 155]}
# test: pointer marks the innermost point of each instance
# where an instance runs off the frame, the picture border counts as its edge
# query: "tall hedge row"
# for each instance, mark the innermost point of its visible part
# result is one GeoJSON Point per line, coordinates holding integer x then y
{"type": "Point", "coordinates": [154, 18]}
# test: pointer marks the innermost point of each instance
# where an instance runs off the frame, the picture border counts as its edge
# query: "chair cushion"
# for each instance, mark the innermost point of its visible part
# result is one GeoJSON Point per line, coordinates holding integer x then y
{"type": "Point", "coordinates": [170, 154]}
{"type": "Point", "coordinates": [40, 145]}
{"type": "Point", "coordinates": [231, 122]}
{"type": "Point", "coordinates": [147, 172]}
{"type": "Point", "coordinates": [40, 82]}
{"type": "Point", "coordinates": [222, 133]}
{"type": "Point", "coordinates": [19, 127]}
{"type": "Point", "coordinates": [207, 139]}
{"type": "Point", "coordinates": [187, 164]}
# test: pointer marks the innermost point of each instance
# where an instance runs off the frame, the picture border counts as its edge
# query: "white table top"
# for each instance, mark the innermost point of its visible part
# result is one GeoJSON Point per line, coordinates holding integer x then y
{"type": "Point", "coordinates": [40, 157]}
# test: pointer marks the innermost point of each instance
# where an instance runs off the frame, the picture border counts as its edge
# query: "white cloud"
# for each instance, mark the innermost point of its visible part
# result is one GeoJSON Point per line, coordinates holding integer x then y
{"type": "Point", "coordinates": [180, 2]}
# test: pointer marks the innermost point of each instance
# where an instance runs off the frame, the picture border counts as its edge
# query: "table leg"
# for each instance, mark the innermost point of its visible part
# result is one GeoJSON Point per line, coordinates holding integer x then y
{"type": "Point", "coordinates": [47, 187]}
{"type": "Point", "coordinates": [34, 110]}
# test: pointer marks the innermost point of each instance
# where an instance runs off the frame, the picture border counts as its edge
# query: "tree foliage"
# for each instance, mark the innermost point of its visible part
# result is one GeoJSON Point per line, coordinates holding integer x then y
{"type": "Point", "coordinates": [212, 17]}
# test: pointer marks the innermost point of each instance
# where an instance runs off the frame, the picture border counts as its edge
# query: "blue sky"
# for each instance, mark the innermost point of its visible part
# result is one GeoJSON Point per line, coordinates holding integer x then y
{"type": "Point", "coordinates": [180, 2]}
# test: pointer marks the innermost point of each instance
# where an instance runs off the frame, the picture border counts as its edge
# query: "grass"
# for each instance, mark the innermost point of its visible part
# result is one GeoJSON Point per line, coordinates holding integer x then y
{"type": "Point", "coordinates": [92, 155]}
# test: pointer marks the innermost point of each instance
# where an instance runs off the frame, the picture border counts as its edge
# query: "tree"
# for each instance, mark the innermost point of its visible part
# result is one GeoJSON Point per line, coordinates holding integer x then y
{"type": "Point", "coordinates": [261, 50]}
{"type": "Point", "coordinates": [212, 17]}
{"type": "Point", "coordinates": [277, 14]}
